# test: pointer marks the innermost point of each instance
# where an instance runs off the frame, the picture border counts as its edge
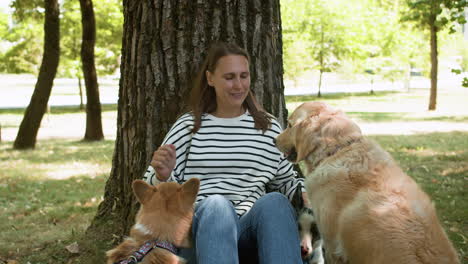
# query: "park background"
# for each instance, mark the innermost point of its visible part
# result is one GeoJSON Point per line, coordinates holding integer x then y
{"type": "Point", "coordinates": [365, 57]}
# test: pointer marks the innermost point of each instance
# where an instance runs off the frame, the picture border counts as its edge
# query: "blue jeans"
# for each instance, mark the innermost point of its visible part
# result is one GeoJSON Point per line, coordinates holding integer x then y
{"type": "Point", "coordinates": [267, 234]}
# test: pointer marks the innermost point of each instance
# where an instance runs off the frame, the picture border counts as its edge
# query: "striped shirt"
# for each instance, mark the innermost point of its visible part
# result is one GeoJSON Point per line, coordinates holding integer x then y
{"type": "Point", "coordinates": [231, 158]}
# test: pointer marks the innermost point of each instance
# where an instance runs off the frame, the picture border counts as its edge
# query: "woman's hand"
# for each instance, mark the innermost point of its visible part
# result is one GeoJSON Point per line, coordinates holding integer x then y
{"type": "Point", "coordinates": [163, 161]}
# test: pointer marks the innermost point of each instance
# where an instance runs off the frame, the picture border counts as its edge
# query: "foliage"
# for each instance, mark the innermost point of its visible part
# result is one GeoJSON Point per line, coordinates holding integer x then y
{"type": "Point", "coordinates": [109, 20]}
{"type": "Point", "coordinates": [24, 37]}
{"type": "Point", "coordinates": [439, 13]}
{"type": "Point", "coordinates": [436, 15]}
{"type": "Point", "coordinates": [361, 35]}
{"type": "Point", "coordinates": [22, 44]}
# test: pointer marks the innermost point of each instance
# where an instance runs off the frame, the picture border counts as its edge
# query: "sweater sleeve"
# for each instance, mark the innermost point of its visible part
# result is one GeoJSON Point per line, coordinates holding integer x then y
{"type": "Point", "coordinates": [286, 180]}
{"type": "Point", "coordinates": [180, 136]}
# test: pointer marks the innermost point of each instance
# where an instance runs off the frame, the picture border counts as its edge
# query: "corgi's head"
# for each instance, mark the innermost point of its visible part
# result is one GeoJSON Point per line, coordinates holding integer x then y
{"type": "Point", "coordinates": [166, 210]}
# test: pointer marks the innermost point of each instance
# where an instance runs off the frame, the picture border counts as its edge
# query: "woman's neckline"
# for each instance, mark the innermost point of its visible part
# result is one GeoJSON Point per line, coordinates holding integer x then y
{"type": "Point", "coordinates": [211, 116]}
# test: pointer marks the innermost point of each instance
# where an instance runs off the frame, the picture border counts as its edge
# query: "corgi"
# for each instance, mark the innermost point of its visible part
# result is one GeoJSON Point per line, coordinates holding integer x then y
{"type": "Point", "coordinates": [162, 224]}
{"type": "Point", "coordinates": [311, 241]}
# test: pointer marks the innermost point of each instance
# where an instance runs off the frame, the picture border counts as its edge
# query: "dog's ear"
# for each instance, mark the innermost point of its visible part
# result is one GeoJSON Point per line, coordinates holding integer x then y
{"type": "Point", "coordinates": [338, 128]}
{"type": "Point", "coordinates": [189, 191]}
{"type": "Point", "coordinates": [142, 190]}
{"type": "Point", "coordinates": [305, 140]}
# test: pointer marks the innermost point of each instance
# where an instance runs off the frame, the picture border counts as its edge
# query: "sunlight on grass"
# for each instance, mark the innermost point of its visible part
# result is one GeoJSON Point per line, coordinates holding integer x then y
{"type": "Point", "coordinates": [67, 170]}
{"type": "Point", "coordinates": [49, 194]}
{"type": "Point", "coordinates": [53, 203]}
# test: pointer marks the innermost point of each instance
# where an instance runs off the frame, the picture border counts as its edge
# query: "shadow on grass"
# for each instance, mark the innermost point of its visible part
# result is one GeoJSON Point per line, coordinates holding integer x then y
{"type": "Point", "coordinates": [61, 109]}
{"type": "Point", "coordinates": [46, 217]}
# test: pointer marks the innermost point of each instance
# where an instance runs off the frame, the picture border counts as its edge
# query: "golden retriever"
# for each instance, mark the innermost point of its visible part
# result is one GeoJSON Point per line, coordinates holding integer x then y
{"type": "Point", "coordinates": [163, 222]}
{"type": "Point", "coordinates": [368, 210]}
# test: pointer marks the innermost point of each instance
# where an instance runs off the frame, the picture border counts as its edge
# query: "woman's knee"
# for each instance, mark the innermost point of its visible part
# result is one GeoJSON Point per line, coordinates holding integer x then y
{"type": "Point", "coordinates": [215, 206]}
{"type": "Point", "coordinates": [215, 215]}
{"type": "Point", "coordinates": [276, 204]}
{"type": "Point", "coordinates": [215, 201]}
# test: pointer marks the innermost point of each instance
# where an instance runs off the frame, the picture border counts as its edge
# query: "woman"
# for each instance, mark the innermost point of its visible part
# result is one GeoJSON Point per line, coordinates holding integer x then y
{"type": "Point", "coordinates": [226, 141]}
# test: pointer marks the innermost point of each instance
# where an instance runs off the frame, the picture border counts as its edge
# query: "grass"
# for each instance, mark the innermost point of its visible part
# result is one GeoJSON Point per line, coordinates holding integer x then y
{"type": "Point", "coordinates": [49, 195]}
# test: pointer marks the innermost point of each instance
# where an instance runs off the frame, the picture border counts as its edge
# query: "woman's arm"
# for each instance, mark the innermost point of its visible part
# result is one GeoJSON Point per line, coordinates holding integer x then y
{"type": "Point", "coordinates": [168, 161]}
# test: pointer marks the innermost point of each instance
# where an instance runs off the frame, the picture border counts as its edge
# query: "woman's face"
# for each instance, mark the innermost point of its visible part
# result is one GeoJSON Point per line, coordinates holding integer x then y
{"type": "Point", "coordinates": [231, 81]}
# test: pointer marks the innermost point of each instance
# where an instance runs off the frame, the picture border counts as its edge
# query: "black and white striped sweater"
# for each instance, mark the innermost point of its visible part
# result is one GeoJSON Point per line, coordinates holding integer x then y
{"type": "Point", "coordinates": [231, 158]}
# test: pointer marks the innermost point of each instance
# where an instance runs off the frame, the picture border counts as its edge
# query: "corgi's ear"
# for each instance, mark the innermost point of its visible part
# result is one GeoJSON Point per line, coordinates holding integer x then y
{"type": "Point", "coordinates": [142, 190]}
{"type": "Point", "coordinates": [190, 191]}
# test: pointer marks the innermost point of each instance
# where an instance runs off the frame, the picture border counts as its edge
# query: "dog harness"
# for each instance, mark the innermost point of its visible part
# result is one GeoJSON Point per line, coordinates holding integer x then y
{"type": "Point", "coordinates": [138, 255]}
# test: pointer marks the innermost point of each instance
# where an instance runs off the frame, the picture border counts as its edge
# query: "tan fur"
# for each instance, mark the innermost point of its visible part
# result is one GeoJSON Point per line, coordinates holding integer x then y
{"type": "Point", "coordinates": [367, 209]}
{"type": "Point", "coordinates": [166, 214]}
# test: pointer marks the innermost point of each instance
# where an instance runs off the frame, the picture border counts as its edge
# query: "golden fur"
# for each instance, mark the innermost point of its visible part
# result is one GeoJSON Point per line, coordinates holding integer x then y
{"type": "Point", "coordinates": [165, 214]}
{"type": "Point", "coordinates": [368, 210]}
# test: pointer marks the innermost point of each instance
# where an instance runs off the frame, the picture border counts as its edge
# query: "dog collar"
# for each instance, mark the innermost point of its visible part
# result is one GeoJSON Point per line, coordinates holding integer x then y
{"type": "Point", "coordinates": [138, 255]}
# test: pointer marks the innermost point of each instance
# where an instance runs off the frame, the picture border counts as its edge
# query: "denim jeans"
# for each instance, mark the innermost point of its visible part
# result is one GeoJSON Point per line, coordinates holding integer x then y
{"type": "Point", "coordinates": [267, 234]}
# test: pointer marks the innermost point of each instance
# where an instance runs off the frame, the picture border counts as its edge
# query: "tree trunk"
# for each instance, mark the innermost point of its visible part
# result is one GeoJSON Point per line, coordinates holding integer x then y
{"type": "Point", "coordinates": [434, 66]}
{"type": "Point", "coordinates": [81, 92]}
{"type": "Point", "coordinates": [164, 42]}
{"type": "Point", "coordinates": [93, 104]}
{"type": "Point", "coordinates": [321, 59]}
{"type": "Point", "coordinates": [319, 94]}
{"type": "Point", "coordinates": [31, 122]}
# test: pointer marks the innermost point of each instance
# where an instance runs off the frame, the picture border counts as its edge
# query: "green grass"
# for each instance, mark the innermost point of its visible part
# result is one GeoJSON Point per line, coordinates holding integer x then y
{"type": "Point", "coordinates": [49, 195]}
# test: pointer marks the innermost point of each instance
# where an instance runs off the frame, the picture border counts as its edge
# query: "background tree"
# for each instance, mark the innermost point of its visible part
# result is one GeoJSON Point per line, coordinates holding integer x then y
{"type": "Point", "coordinates": [31, 122]}
{"type": "Point", "coordinates": [93, 104]}
{"type": "Point", "coordinates": [325, 30]}
{"type": "Point", "coordinates": [71, 38]}
{"type": "Point", "coordinates": [164, 43]}
{"type": "Point", "coordinates": [435, 15]}
{"type": "Point", "coordinates": [313, 37]}
{"type": "Point", "coordinates": [108, 43]}
{"type": "Point", "coordinates": [346, 37]}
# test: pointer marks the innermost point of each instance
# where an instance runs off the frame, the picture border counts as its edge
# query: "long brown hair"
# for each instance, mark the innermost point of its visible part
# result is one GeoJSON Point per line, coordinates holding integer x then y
{"type": "Point", "coordinates": [203, 96]}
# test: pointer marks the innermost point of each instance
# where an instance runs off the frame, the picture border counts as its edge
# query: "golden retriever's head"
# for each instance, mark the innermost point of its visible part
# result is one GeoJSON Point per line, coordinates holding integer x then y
{"type": "Point", "coordinates": [313, 127]}
{"type": "Point", "coordinates": [166, 209]}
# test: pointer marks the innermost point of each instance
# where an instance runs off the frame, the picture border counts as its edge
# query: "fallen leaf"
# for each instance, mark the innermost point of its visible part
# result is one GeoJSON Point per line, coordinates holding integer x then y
{"type": "Point", "coordinates": [73, 248]}
{"type": "Point", "coordinates": [10, 261]}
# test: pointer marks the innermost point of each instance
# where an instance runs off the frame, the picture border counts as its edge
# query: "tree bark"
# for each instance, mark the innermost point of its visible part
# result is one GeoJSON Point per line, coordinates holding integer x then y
{"type": "Point", "coordinates": [93, 104]}
{"type": "Point", "coordinates": [164, 42]}
{"type": "Point", "coordinates": [31, 122]}
{"type": "Point", "coordinates": [434, 67]}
